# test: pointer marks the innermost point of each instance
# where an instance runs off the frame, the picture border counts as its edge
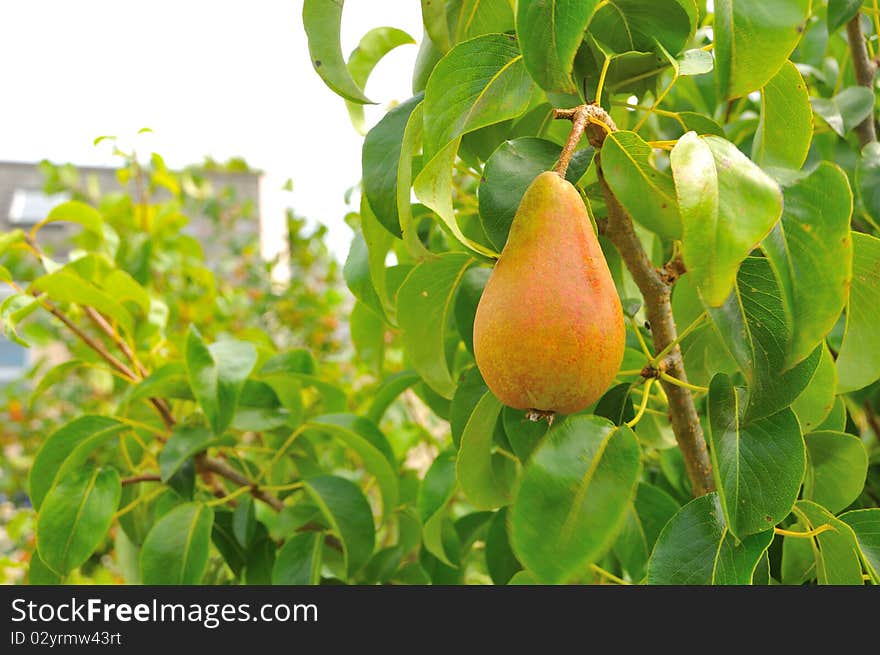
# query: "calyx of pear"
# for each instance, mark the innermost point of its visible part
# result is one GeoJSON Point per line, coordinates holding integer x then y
{"type": "Point", "coordinates": [549, 331]}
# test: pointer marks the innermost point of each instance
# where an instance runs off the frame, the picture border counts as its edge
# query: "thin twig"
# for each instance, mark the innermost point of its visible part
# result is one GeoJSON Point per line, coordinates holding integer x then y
{"type": "Point", "coordinates": [145, 477]}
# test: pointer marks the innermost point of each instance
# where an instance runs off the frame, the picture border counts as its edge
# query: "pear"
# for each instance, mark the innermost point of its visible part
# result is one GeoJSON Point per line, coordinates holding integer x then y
{"type": "Point", "coordinates": [549, 332]}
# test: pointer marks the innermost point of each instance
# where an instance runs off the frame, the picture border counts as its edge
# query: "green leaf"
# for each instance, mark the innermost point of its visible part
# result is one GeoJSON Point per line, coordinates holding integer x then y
{"type": "Point", "coordinates": [836, 419]}
{"type": "Point", "coordinates": [837, 464]}
{"type": "Point", "coordinates": [858, 362]}
{"type": "Point", "coordinates": [367, 331]}
{"type": "Point", "coordinates": [500, 558]}
{"type": "Point", "coordinates": [841, 12]}
{"type": "Point", "coordinates": [846, 109]}
{"type": "Point", "coordinates": [810, 251]}
{"type": "Point", "coordinates": [244, 522]}
{"type": "Point", "coordinates": [184, 442]}
{"type": "Point", "coordinates": [217, 374]}
{"type": "Point", "coordinates": [753, 40]}
{"type": "Point", "coordinates": [82, 432]}
{"type": "Point", "coordinates": [645, 192]}
{"type": "Point", "coordinates": [574, 495]}
{"type": "Point", "coordinates": [550, 34]}
{"type": "Point", "coordinates": [40, 574]}
{"type": "Point", "coordinates": [391, 388]}
{"type": "Point", "coordinates": [758, 465]}
{"type": "Point", "coordinates": [77, 212]}
{"type": "Point", "coordinates": [478, 17]}
{"type": "Point", "coordinates": [466, 300]}
{"type": "Point", "coordinates": [816, 401]}
{"type": "Point", "coordinates": [727, 206]}
{"type": "Point", "coordinates": [835, 551]}
{"type": "Point", "coordinates": [66, 286]}
{"type": "Point", "coordinates": [380, 158]}
{"type": "Point", "coordinates": [478, 83]}
{"type": "Point", "coordinates": [347, 512]}
{"type": "Point", "coordinates": [524, 578]}
{"type": "Point", "coordinates": [223, 537]}
{"type": "Point", "coordinates": [523, 434]}
{"type": "Point", "coordinates": [868, 180]}
{"type": "Point", "coordinates": [786, 127]}
{"type": "Point", "coordinates": [865, 524]}
{"type": "Point", "coordinates": [470, 389]}
{"type": "Point", "coordinates": [485, 477]}
{"type": "Point", "coordinates": [374, 45]}
{"type": "Point", "coordinates": [424, 306]}
{"type": "Point", "coordinates": [412, 138]}
{"type": "Point", "coordinates": [75, 516]}
{"type": "Point", "coordinates": [637, 25]}
{"type": "Point", "coordinates": [435, 492]}
{"type": "Point", "coordinates": [298, 561]}
{"type": "Point", "coordinates": [363, 437]}
{"type": "Point", "coordinates": [651, 509]}
{"type": "Point", "coordinates": [508, 173]}
{"type": "Point", "coordinates": [358, 275]}
{"type": "Point", "coordinates": [696, 548]}
{"type": "Point", "coordinates": [322, 20]}
{"type": "Point", "coordinates": [167, 381]}
{"type": "Point", "coordinates": [755, 328]}
{"type": "Point", "coordinates": [176, 550]}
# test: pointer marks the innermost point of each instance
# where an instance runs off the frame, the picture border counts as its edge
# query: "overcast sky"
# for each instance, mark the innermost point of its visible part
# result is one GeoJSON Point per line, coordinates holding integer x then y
{"type": "Point", "coordinates": [210, 77]}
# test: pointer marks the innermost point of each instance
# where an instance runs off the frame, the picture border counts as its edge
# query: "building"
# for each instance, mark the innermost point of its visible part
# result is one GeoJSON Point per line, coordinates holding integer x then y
{"type": "Point", "coordinates": [23, 203]}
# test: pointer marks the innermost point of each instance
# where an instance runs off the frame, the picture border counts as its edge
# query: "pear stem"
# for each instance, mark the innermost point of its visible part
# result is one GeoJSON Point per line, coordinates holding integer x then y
{"type": "Point", "coordinates": [580, 117]}
{"type": "Point", "coordinates": [656, 289]}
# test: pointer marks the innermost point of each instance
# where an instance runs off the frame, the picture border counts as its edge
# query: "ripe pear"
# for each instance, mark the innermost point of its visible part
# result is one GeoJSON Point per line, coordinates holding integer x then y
{"type": "Point", "coordinates": [549, 332]}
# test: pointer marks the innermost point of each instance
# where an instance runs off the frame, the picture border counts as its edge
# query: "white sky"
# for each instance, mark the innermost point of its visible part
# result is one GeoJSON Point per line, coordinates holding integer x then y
{"type": "Point", "coordinates": [210, 77]}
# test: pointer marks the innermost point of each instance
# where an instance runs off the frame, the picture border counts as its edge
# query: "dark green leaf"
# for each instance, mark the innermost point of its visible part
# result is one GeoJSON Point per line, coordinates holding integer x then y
{"type": "Point", "coordinates": [299, 560]}
{"type": "Point", "coordinates": [696, 548]}
{"type": "Point", "coordinates": [550, 34]}
{"type": "Point", "coordinates": [509, 172]}
{"type": "Point", "coordinates": [184, 442]}
{"type": "Point", "coordinates": [348, 514]}
{"type": "Point", "coordinates": [175, 551]}
{"type": "Point", "coordinates": [471, 388]}
{"type": "Point", "coordinates": [500, 558]}
{"type": "Point", "coordinates": [388, 392]}
{"type": "Point", "coordinates": [435, 493]}
{"type": "Point", "coordinates": [523, 434]}
{"type": "Point", "coordinates": [616, 405]}
{"type": "Point", "coordinates": [574, 495]}
{"type": "Point", "coordinates": [81, 435]}
{"type": "Point", "coordinates": [758, 465]}
{"type": "Point", "coordinates": [424, 305]}
{"type": "Point", "coordinates": [75, 516]}
{"type": "Point", "coordinates": [810, 251]}
{"type": "Point", "coordinates": [466, 301]}
{"type": "Point", "coordinates": [380, 158]}
{"type": "Point", "coordinates": [649, 512]}
{"type": "Point", "coordinates": [756, 330]}
{"type": "Point", "coordinates": [362, 436]}
{"type": "Point", "coordinates": [753, 39]}
{"type": "Point", "coordinates": [841, 12]}
{"type": "Point", "coordinates": [868, 180]}
{"type": "Point", "coordinates": [837, 464]}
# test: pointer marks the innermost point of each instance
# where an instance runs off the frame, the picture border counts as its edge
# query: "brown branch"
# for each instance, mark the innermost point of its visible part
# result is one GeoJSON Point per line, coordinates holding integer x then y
{"type": "Point", "coordinates": [872, 418]}
{"type": "Point", "coordinates": [656, 292]}
{"type": "Point", "coordinates": [145, 477]}
{"type": "Point", "coordinates": [224, 470]}
{"type": "Point", "coordinates": [581, 117]}
{"type": "Point", "coordinates": [864, 69]}
{"type": "Point", "coordinates": [160, 404]}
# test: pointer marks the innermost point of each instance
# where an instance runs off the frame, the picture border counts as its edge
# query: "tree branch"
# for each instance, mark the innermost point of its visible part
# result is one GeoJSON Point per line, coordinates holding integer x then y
{"type": "Point", "coordinates": [864, 69]}
{"type": "Point", "coordinates": [656, 292]}
{"type": "Point", "coordinates": [146, 477]}
{"type": "Point", "coordinates": [224, 470]}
